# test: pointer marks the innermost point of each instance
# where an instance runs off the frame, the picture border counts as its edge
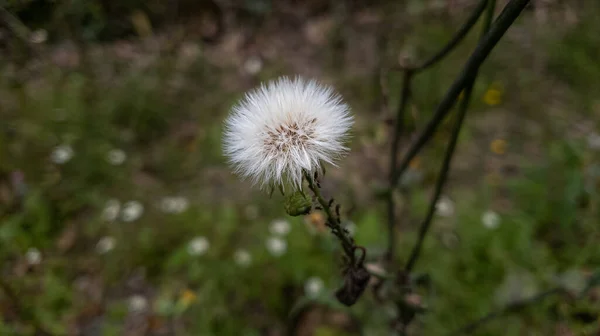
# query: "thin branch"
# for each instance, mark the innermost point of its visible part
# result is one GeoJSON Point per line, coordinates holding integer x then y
{"type": "Point", "coordinates": [464, 106]}
{"type": "Point", "coordinates": [513, 307]}
{"type": "Point", "coordinates": [398, 129]}
{"type": "Point", "coordinates": [593, 281]}
{"type": "Point", "coordinates": [424, 228]}
{"type": "Point", "coordinates": [482, 51]}
{"type": "Point", "coordinates": [458, 37]}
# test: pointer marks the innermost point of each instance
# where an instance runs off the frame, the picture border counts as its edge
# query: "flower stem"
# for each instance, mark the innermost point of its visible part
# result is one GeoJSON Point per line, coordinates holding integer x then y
{"type": "Point", "coordinates": [333, 219]}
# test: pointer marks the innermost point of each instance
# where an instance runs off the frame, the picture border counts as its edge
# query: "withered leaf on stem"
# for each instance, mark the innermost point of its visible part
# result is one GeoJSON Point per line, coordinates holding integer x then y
{"type": "Point", "coordinates": [356, 280]}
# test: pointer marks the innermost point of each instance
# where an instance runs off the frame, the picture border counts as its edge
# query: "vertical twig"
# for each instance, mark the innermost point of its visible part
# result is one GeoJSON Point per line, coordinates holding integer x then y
{"type": "Point", "coordinates": [510, 13]}
{"type": "Point", "coordinates": [408, 73]}
{"type": "Point", "coordinates": [426, 224]}
{"type": "Point", "coordinates": [458, 37]}
{"type": "Point", "coordinates": [398, 130]}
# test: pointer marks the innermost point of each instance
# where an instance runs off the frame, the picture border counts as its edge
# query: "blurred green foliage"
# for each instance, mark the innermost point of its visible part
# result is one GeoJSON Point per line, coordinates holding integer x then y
{"type": "Point", "coordinates": [548, 232]}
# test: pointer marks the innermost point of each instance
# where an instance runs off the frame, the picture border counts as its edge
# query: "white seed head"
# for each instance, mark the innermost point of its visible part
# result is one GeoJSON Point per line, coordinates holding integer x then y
{"type": "Point", "coordinates": [313, 287]}
{"type": "Point", "coordinates": [116, 156]}
{"type": "Point", "coordinates": [490, 219]}
{"type": "Point", "coordinates": [243, 258]}
{"type": "Point", "coordinates": [276, 246]}
{"type": "Point", "coordinates": [280, 227]}
{"type": "Point", "coordinates": [198, 246]}
{"type": "Point", "coordinates": [286, 127]}
{"type": "Point", "coordinates": [61, 154]}
{"type": "Point", "coordinates": [33, 256]}
{"type": "Point", "coordinates": [132, 210]}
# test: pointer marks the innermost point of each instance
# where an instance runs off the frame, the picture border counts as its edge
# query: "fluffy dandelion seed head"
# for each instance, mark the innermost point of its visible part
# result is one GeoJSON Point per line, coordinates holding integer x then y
{"type": "Point", "coordinates": [286, 127]}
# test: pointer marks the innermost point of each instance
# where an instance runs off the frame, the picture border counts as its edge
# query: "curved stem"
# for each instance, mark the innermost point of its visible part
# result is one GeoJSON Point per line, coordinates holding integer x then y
{"type": "Point", "coordinates": [333, 220]}
{"type": "Point", "coordinates": [424, 228]}
{"type": "Point", "coordinates": [459, 36]}
{"type": "Point", "coordinates": [426, 224]}
{"type": "Point", "coordinates": [482, 51]}
{"type": "Point", "coordinates": [515, 306]}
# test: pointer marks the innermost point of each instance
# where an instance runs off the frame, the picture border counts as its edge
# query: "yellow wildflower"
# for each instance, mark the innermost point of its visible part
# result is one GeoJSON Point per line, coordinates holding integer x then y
{"type": "Point", "coordinates": [415, 163]}
{"type": "Point", "coordinates": [498, 146]}
{"type": "Point", "coordinates": [493, 95]}
{"type": "Point", "coordinates": [187, 297]}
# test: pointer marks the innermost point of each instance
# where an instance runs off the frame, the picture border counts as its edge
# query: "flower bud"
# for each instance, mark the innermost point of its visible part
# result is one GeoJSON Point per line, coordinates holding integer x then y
{"type": "Point", "coordinates": [297, 204]}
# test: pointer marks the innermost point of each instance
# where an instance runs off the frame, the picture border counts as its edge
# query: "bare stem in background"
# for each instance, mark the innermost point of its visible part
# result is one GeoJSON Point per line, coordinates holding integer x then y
{"type": "Point", "coordinates": [508, 16]}
{"type": "Point", "coordinates": [408, 74]}
{"type": "Point", "coordinates": [398, 130]}
{"type": "Point", "coordinates": [458, 37]}
{"type": "Point", "coordinates": [426, 224]}
{"type": "Point", "coordinates": [592, 282]}
{"type": "Point", "coordinates": [515, 306]}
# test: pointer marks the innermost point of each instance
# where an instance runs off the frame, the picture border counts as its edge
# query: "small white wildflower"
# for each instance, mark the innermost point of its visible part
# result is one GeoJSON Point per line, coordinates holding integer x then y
{"type": "Point", "coordinates": [253, 65]}
{"type": "Point", "coordinates": [198, 246]}
{"type": "Point", "coordinates": [276, 246]}
{"type": "Point", "coordinates": [593, 140]}
{"type": "Point", "coordinates": [243, 258]}
{"type": "Point", "coordinates": [33, 256]}
{"type": "Point", "coordinates": [111, 210]}
{"type": "Point", "coordinates": [176, 204]}
{"type": "Point", "coordinates": [284, 128]}
{"type": "Point", "coordinates": [280, 227]}
{"type": "Point", "coordinates": [137, 303]}
{"type": "Point", "coordinates": [351, 227]}
{"type": "Point", "coordinates": [490, 219]}
{"type": "Point", "coordinates": [313, 287]}
{"type": "Point", "coordinates": [375, 268]}
{"type": "Point", "coordinates": [61, 154]}
{"type": "Point", "coordinates": [132, 210]}
{"type": "Point", "coordinates": [106, 244]}
{"type": "Point", "coordinates": [38, 36]}
{"type": "Point", "coordinates": [444, 207]}
{"type": "Point", "coordinates": [116, 156]}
